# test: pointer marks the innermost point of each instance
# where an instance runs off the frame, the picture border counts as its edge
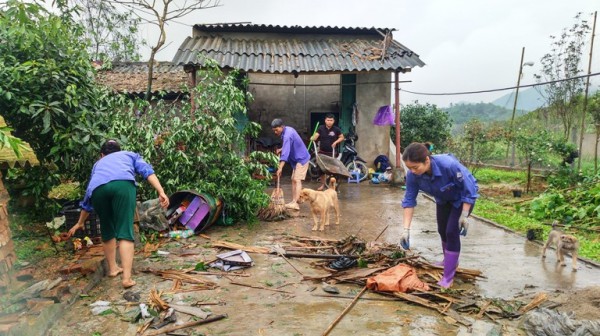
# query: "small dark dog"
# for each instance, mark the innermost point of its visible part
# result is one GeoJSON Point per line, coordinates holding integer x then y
{"type": "Point", "coordinates": [320, 204]}
{"type": "Point", "coordinates": [564, 244]}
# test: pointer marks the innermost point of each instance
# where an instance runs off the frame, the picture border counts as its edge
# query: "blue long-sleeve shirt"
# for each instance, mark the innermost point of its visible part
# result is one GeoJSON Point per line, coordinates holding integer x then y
{"type": "Point", "coordinates": [121, 165]}
{"type": "Point", "coordinates": [293, 149]}
{"type": "Point", "coordinates": [449, 182]}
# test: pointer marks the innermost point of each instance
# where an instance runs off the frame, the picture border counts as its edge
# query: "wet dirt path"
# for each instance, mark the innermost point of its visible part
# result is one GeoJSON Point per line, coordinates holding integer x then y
{"type": "Point", "coordinates": [512, 266]}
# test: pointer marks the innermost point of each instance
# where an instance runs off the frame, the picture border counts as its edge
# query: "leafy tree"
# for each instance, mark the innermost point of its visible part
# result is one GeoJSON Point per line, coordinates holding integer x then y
{"type": "Point", "coordinates": [478, 142]}
{"type": "Point", "coordinates": [534, 146]}
{"type": "Point", "coordinates": [422, 123]}
{"type": "Point", "coordinates": [112, 34]}
{"type": "Point", "coordinates": [199, 149]}
{"type": "Point", "coordinates": [161, 14]}
{"type": "Point", "coordinates": [47, 92]}
{"type": "Point", "coordinates": [564, 61]}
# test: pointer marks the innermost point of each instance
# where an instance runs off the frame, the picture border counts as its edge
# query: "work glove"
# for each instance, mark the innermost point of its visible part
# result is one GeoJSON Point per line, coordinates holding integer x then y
{"type": "Point", "coordinates": [463, 223]}
{"type": "Point", "coordinates": [405, 239]}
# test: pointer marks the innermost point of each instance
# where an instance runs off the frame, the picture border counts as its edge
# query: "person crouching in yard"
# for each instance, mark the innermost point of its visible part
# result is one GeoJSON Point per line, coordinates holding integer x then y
{"type": "Point", "coordinates": [328, 136]}
{"type": "Point", "coordinates": [455, 191]}
{"type": "Point", "coordinates": [295, 153]}
{"type": "Point", "coordinates": [112, 194]}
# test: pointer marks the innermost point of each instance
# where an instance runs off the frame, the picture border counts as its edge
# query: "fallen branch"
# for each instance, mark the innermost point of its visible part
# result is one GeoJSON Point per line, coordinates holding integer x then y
{"type": "Point", "coordinates": [187, 325]}
{"type": "Point", "coordinates": [483, 309]}
{"type": "Point", "coordinates": [352, 297]}
{"type": "Point", "coordinates": [299, 248]}
{"type": "Point", "coordinates": [382, 231]}
{"type": "Point", "coordinates": [317, 256]}
{"type": "Point", "coordinates": [431, 305]}
{"type": "Point", "coordinates": [339, 318]}
{"type": "Point", "coordinates": [234, 246]}
{"type": "Point", "coordinates": [259, 287]}
{"type": "Point", "coordinates": [537, 300]}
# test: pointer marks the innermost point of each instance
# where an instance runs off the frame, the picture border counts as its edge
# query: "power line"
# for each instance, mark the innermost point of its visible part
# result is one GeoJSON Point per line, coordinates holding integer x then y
{"type": "Point", "coordinates": [501, 89]}
{"type": "Point", "coordinates": [332, 84]}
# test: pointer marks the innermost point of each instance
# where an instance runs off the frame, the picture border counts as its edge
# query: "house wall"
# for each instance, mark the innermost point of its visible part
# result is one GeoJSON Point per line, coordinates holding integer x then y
{"type": "Point", "coordinates": [372, 140]}
{"type": "Point", "coordinates": [7, 252]}
{"type": "Point", "coordinates": [278, 101]}
{"type": "Point", "coordinates": [293, 106]}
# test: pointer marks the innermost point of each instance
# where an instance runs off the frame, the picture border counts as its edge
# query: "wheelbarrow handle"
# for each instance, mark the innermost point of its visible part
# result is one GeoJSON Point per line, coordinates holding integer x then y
{"type": "Point", "coordinates": [311, 140]}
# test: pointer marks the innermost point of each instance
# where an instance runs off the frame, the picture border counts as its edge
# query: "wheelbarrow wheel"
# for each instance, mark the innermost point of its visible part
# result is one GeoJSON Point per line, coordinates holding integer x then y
{"type": "Point", "coordinates": [362, 169]}
{"type": "Point", "coordinates": [313, 169]}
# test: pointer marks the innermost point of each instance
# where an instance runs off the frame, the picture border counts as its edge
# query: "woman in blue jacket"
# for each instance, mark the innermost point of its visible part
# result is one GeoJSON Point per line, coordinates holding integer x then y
{"type": "Point", "coordinates": [455, 191]}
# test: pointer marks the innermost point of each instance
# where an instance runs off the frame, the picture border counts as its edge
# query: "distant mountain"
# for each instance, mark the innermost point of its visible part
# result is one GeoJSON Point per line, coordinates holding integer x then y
{"type": "Point", "coordinates": [485, 112]}
{"type": "Point", "coordinates": [529, 99]}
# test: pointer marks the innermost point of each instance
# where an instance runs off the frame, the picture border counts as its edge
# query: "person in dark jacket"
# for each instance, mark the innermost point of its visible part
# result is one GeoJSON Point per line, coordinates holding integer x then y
{"type": "Point", "coordinates": [111, 193]}
{"type": "Point", "coordinates": [328, 136]}
{"type": "Point", "coordinates": [455, 191]}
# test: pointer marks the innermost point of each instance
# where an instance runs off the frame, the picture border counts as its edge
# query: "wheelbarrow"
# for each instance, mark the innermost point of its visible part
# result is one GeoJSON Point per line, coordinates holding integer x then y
{"type": "Point", "coordinates": [331, 167]}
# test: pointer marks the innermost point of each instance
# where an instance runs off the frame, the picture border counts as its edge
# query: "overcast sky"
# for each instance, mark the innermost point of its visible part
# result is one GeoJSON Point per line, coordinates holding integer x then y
{"type": "Point", "coordinates": [466, 44]}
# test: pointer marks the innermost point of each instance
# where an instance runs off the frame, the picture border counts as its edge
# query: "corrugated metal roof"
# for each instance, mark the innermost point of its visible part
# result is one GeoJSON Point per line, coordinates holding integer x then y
{"type": "Point", "coordinates": [264, 28]}
{"type": "Point", "coordinates": [311, 49]}
{"type": "Point", "coordinates": [9, 159]}
{"type": "Point", "coordinates": [132, 77]}
{"type": "Point", "coordinates": [142, 67]}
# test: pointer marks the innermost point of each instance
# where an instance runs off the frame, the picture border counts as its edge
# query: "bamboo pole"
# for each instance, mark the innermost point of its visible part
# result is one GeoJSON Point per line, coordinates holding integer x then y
{"type": "Point", "coordinates": [187, 325]}
{"type": "Point", "coordinates": [339, 318]}
{"type": "Point", "coordinates": [585, 99]}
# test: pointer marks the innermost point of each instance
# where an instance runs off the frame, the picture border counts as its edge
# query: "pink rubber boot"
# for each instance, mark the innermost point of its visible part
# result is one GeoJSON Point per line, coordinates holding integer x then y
{"type": "Point", "coordinates": [450, 266]}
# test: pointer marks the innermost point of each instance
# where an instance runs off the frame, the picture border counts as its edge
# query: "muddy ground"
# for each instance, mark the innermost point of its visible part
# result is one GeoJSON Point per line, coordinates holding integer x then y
{"type": "Point", "coordinates": [512, 267]}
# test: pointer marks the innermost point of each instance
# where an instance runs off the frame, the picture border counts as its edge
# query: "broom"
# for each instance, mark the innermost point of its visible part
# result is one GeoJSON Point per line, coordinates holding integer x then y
{"type": "Point", "coordinates": [276, 209]}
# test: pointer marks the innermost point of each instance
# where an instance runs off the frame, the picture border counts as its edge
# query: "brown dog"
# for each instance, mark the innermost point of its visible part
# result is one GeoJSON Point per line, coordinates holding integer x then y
{"type": "Point", "coordinates": [320, 203]}
{"type": "Point", "coordinates": [564, 244]}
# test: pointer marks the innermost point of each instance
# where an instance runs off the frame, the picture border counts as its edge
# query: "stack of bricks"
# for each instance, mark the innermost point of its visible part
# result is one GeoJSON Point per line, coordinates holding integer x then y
{"type": "Point", "coordinates": [7, 250]}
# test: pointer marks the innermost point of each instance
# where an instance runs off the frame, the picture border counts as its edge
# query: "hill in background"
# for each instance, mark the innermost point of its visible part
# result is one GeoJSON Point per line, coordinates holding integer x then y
{"type": "Point", "coordinates": [529, 99]}
{"type": "Point", "coordinates": [485, 112]}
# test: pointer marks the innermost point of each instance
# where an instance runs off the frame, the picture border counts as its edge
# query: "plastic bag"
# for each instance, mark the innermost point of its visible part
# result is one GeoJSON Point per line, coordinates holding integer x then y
{"type": "Point", "coordinates": [546, 322]}
{"type": "Point", "coordinates": [384, 116]}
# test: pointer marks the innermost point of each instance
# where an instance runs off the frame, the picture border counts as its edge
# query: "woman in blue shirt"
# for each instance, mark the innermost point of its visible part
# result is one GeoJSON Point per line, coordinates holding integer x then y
{"type": "Point", "coordinates": [455, 191]}
{"type": "Point", "coordinates": [112, 194]}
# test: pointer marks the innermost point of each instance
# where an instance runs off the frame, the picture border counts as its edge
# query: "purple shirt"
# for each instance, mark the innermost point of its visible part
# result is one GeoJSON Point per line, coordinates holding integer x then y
{"type": "Point", "coordinates": [449, 182]}
{"type": "Point", "coordinates": [120, 165]}
{"type": "Point", "coordinates": [293, 150]}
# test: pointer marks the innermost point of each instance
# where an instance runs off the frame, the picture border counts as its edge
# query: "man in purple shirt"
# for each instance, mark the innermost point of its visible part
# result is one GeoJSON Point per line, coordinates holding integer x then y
{"type": "Point", "coordinates": [112, 194]}
{"type": "Point", "coordinates": [295, 153]}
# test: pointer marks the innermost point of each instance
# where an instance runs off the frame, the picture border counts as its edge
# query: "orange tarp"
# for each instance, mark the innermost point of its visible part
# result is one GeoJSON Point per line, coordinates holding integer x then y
{"type": "Point", "coordinates": [400, 278]}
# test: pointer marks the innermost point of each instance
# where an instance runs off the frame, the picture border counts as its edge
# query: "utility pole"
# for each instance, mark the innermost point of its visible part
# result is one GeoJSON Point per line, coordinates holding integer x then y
{"type": "Point", "coordinates": [512, 119]}
{"type": "Point", "coordinates": [397, 108]}
{"type": "Point", "coordinates": [585, 99]}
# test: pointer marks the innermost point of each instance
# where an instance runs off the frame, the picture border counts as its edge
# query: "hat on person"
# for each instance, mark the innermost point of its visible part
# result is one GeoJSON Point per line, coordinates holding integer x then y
{"type": "Point", "coordinates": [276, 123]}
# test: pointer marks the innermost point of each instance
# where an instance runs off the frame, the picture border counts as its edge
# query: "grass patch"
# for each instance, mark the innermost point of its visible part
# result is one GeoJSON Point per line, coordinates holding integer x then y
{"type": "Point", "coordinates": [518, 221]}
{"type": "Point", "coordinates": [32, 239]}
{"type": "Point", "coordinates": [491, 175]}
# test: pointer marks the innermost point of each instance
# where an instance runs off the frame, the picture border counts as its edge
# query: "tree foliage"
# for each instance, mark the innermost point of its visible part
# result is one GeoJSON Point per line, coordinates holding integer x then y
{"type": "Point", "coordinates": [422, 123]}
{"type": "Point", "coordinates": [160, 14]}
{"type": "Point", "coordinates": [201, 149]}
{"type": "Point", "coordinates": [112, 33]}
{"type": "Point", "coordinates": [478, 143]}
{"type": "Point", "coordinates": [564, 61]}
{"type": "Point", "coordinates": [47, 92]}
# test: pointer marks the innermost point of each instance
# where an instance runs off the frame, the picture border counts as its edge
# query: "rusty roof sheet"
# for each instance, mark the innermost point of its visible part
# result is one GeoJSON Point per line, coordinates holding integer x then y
{"type": "Point", "coordinates": [308, 49]}
{"type": "Point", "coordinates": [8, 157]}
{"type": "Point", "coordinates": [132, 77]}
